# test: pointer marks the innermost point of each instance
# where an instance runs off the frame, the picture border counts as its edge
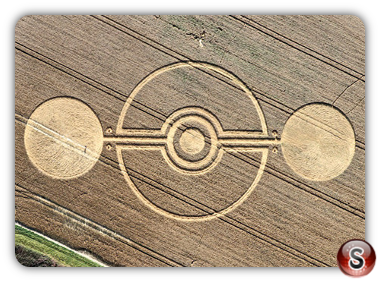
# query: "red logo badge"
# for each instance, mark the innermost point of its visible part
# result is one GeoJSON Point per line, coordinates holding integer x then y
{"type": "Point", "coordinates": [356, 258]}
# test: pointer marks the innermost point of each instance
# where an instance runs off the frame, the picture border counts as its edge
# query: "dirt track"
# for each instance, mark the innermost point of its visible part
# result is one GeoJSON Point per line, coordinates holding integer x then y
{"type": "Point", "coordinates": [287, 62]}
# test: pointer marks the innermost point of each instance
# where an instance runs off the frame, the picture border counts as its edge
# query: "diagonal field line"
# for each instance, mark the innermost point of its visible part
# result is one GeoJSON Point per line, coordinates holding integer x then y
{"type": "Point", "coordinates": [159, 47]}
{"type": "Point", "coordinates": [87, 223]}
{"type": "Point", "coordinates": [140, 106]}
{"type": "Point", "coordinates": [59, 138]}
{"type": "Point", "coordinates": [298, 184]}
{"type": "Point", "coordinates": [237, 224]}
{"type": "Point", "coordinates": [293, 44]}
{"type": "Point", "coordinates": [99, 228]}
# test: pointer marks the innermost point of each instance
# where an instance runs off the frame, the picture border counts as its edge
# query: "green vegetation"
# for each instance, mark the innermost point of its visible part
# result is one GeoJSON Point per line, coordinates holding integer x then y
{"type": "Point", "coordinates": [35, 250]}
{"type": "Point", "coordinates": [30, 258]}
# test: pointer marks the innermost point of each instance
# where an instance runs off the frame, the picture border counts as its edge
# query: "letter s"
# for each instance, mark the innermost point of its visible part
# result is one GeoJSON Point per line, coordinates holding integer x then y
{"type": "Point", "coordinates": [356, 262]}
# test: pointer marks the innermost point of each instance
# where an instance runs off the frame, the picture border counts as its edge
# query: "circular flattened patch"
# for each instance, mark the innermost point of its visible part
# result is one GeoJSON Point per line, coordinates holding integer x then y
{"type": "Point", "coordinates": [318, 142]}
{"type": "Point", "coordinates": [63, 138]}
{"type": "Point", "coordinates": [192, 141]}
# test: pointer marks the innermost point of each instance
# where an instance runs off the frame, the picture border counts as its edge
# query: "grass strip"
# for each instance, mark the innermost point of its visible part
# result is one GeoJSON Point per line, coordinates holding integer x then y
{"type": "Point", "coordinates": [59, 254]}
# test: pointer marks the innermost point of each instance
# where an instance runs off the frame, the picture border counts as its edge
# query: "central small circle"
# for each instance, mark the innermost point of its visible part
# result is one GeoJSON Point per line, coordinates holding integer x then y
{"type": "Point", "coordinates": [192, 141]}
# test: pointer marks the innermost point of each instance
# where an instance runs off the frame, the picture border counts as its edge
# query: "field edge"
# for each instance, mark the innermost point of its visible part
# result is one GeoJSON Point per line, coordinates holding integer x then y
{"type": "Point", "coordinates": [56, 251]}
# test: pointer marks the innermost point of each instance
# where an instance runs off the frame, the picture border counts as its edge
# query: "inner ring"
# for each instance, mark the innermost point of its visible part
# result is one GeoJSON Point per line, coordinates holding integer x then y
{"type": "Point", "coordinates": [192, 142]}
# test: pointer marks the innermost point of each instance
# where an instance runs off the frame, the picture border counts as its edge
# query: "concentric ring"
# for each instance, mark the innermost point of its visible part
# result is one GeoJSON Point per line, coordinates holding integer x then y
{"type": "Point", "coordinates": [202, 121]}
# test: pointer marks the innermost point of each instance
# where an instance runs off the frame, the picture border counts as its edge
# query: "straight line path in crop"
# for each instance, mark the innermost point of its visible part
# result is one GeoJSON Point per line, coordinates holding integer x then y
{"type": "Point", "coordinates": [120, 96]}
{"type": "Point", "coordinates": [88, 223]}
{"type": "Point", "coordinates": [114, 93]}
{"type": "Point", "coordinates": [273, 171]}
{"type": "Point", "coordinates": [260, 96]}
{"type": "Point", "coordinates": [142, 107]}
{"type": "Point", "coordinates": [85, 222]}
{"type": "Point", "coordinates": [300, 47]}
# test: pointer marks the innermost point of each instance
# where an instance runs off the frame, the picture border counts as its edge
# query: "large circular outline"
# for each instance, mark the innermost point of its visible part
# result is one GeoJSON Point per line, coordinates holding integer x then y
{"type": "Point", "coordinates": [119, 131]}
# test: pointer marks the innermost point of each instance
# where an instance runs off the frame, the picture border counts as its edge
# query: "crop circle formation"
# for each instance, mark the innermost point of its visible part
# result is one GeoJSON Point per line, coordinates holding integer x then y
{"type": "Point", "coordinates": [63, 138]}
{"type": "Point", "coordinates": [318, 142]}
